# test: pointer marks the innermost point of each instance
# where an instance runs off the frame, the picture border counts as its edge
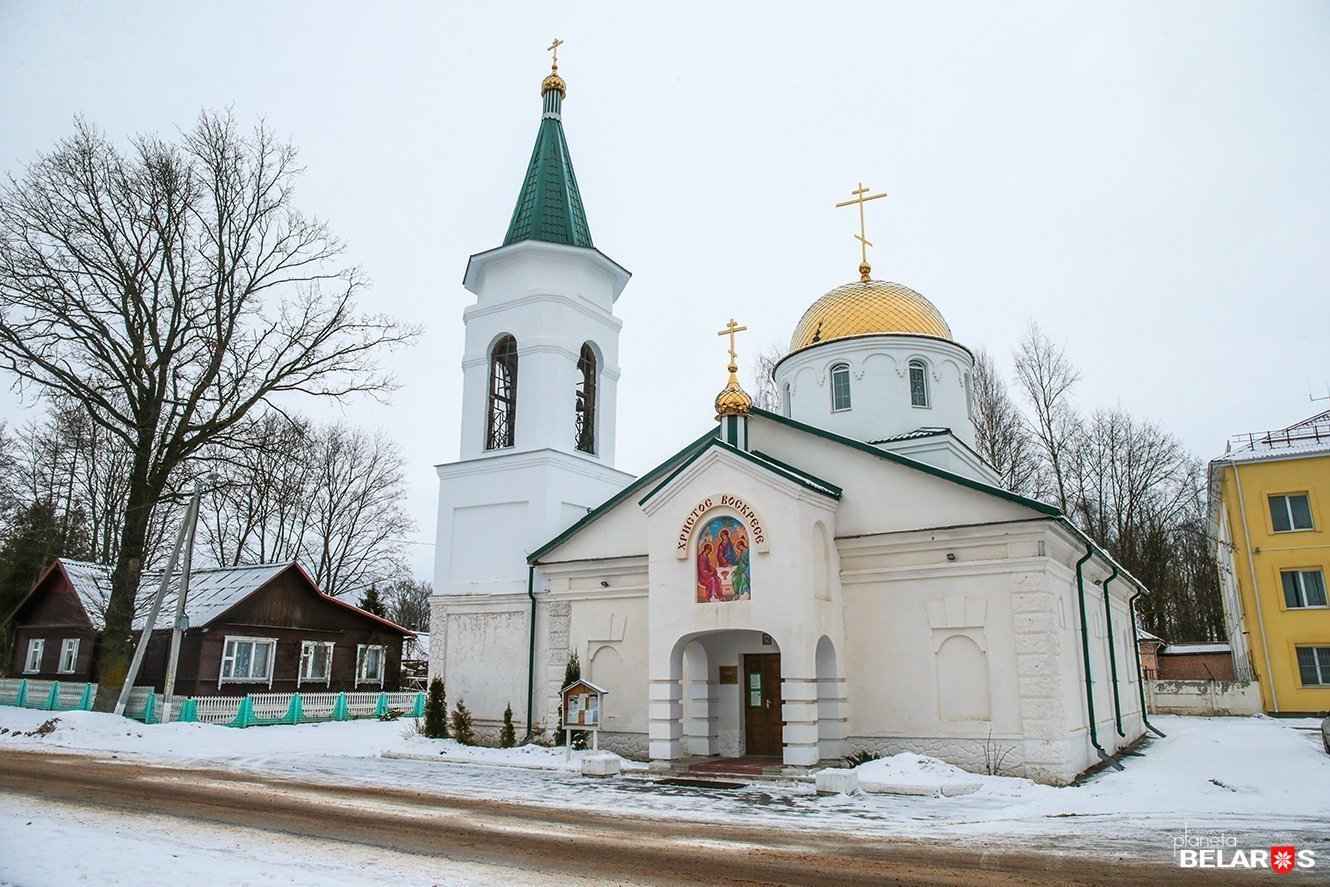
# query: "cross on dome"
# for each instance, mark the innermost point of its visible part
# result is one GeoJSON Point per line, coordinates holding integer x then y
{"type": "Point", "coordinates": [864, 243]}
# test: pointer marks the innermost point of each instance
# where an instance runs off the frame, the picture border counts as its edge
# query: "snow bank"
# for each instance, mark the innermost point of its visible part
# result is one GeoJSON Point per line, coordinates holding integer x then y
{"type": "Point", "coordinates": [912, 774]}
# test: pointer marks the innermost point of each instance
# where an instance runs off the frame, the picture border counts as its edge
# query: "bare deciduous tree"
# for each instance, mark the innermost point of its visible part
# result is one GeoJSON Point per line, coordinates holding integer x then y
{"type": "Point", "coordinates": [1046, 377]}
{"type": "Point", "coordinates": [1001, 434]}
{"type": "Point", "coordinates": [328, 496]}
{"type": "Point", "coordinates": [762, 384]}
{"type": "Point", "coordinates": [169, 290]}
{"type": "Point", "coordinates": [408, 602]}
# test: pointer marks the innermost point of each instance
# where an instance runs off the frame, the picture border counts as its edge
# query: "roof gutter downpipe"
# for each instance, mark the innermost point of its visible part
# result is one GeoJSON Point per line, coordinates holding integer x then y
{"type": "Point", "coordinates": [531, 655]}
{"type": "Point", "coordinates": [1085, 653]}
{"type": "Point", "coordinates": [1112, 654]}
{"type": "Point", "coordinates": [1140, 676]}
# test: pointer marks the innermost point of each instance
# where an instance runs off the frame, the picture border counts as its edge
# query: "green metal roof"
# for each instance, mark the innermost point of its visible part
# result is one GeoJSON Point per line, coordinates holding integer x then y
{"type": "Point", "coordinates": [549, 206]}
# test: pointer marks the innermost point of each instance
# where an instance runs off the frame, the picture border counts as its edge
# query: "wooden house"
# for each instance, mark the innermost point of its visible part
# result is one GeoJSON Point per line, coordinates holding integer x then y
{"type": "Point", "coordinates": [256, 629]}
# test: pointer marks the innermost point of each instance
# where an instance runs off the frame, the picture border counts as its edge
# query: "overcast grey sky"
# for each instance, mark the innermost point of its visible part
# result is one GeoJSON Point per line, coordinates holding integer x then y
{"type": "Point", "coordinates": [1150, 181]}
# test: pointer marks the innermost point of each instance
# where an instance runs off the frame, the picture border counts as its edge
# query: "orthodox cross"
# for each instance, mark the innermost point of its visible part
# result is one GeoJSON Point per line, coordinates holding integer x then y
{"type": "Point", "coordinates": [554, 48]}
{"type": "Point", "coordinates": [862, 236]}
{"type": "Point", "coordinates": [730, 329]}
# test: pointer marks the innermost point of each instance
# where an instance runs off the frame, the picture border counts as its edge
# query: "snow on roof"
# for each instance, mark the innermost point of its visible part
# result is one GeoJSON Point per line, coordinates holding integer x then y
{"type": "Point", "coordinates": [1179, 649]}
{"type": "Point", "coordinates": [211, 591]}
{"type": "Point", "coordinates": [1143, 635]}
{"type": "Point", "coordinates": [416, 647]}
{"type": "Point", "coordinates": [1311, 435]}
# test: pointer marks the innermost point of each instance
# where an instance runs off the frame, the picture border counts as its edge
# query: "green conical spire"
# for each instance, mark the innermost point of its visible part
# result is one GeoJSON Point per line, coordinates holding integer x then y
{"type": "Point", "coordinates": [549, 207]}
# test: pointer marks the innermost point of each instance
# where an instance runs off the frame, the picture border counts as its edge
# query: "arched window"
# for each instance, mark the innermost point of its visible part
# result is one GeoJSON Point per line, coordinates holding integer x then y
{"type": "Point", "coordinates": [969, 395]}
{"type": "Point", "coordinates": [503, 394]}
{"type": "Point", "coordinates": [840, 387]}
{"type": "Point", "coordinates": [918, 383]}
{"type": "Point", "coordinates": [585, 407]}
{"type": "Point", "coordinates": [785, 400]}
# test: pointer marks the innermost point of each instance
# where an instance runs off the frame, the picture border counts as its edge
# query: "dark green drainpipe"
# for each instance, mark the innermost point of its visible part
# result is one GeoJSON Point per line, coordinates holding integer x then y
{"type": "Point", "coordinates": [1112, 655]}
{"type": "Point", "coordinates": [1140, 676]}
{"type": "Point", "coordinates": [531, 654]}
{"type": "Point", "coordinates": [1085, 653]}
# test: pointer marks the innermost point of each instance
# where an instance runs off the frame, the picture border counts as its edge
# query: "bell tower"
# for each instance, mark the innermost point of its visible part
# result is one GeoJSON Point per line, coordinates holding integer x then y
{"type": "Point", "coordinates": [539, 377]}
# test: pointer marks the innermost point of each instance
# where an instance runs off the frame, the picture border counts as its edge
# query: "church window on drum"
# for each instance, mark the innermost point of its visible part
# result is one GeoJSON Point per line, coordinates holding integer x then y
{"type": "Point", "coordinates": [586, 400]}
{"type": "Point", "coordinates": [840, 387]}
{"type": "Point", "coordinates": [918, 383]}
{"type": "Point", "coordinates": [502, 412]}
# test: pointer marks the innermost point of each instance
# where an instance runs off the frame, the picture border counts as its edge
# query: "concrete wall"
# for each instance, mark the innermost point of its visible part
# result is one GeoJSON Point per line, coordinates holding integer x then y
{"type": "Point", "coordinates": [1205, 698]}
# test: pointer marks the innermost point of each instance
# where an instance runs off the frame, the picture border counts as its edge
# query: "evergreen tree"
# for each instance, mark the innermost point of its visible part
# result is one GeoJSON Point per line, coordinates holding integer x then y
{"type": "Point", "coordinates": [436, 711]}
{"type": "Point", "coordinates": [508, 735]}
{"type": "Point", "coordinates": [462, 728]}
{"type": "Point", "coordinates": [371, 603]}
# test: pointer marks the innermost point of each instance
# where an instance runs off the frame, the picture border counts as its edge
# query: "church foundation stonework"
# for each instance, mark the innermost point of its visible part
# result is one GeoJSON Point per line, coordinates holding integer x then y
{"type": "Point", "coordinates": [841, 574]}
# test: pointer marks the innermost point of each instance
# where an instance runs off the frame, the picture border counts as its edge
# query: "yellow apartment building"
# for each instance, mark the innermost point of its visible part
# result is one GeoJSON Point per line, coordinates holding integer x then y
{"type": "Point", "coordinates": [1270, 514]}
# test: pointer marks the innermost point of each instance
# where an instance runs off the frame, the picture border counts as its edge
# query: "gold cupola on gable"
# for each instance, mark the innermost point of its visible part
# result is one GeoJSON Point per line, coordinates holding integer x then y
{"type": "Point", "coordinates": [733, 400]}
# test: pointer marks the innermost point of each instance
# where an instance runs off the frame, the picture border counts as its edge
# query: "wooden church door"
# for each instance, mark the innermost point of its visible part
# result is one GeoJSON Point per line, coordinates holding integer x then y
{"type": "Point", "coordinates": [762, 710]}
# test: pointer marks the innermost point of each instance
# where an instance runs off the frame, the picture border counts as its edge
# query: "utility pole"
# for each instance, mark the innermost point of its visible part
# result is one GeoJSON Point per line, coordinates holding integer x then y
{"type": "Point", "coordinates": [181, 623]}
{"type": "Point", "coordinates": [186, 528]}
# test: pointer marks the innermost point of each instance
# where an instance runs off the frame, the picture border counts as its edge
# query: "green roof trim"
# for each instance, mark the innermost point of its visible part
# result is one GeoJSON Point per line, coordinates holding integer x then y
{"type": "Point", "coordinates": [802, 478]}
{"type": "Point", "coordinates": [549, 206]}
{"type": "Point", "coordinates": [1041, 507]}
{"type": "Point", "coordinates": [596, 513]}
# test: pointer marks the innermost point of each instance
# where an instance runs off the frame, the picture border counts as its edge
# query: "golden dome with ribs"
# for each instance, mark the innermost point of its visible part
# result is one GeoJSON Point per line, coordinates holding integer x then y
{"type": "Point", "coordinates": [865, 308]}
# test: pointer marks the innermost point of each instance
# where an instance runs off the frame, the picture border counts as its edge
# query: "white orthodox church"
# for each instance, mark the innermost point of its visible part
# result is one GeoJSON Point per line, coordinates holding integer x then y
{"type": "Point", "coordinates": [845, 574]}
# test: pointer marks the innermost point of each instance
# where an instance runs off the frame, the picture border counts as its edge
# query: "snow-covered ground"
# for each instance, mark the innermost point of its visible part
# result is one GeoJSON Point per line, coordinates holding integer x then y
{"type": "Point", "coordinates": [1265, 781]}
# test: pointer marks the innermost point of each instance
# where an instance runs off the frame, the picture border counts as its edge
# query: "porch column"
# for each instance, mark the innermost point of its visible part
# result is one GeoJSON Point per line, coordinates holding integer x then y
{"type": "Point", "coordinates": [665, 729]}
{"type": "Point", "coordinates": [832, 718]}
{"type": "Point", "coordinates": [699, 726]}
{"type": "Point", "coordinates": [799, 710]}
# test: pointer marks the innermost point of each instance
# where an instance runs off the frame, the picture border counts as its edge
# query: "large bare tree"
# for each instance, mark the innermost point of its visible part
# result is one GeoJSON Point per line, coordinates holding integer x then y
{"type": "Point", "coordinates": [1002, 436]}
{"type": "Point", "coordinates": [171, 288]}
{"type": "Point", "coordinates": [1046, 377]}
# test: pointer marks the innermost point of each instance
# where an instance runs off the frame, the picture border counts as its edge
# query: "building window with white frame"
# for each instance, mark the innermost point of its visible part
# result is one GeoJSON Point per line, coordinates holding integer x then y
{"type": "Point", "coordinates": [1303, 588]}
{"type": "Point", "coordinates": [1291, 511]}
{"type": "Point", "coordinates": [315, 662]}
{"type": "Point", "coordinates": [1314, 666]}
{"type": "Point", "coordinates": [969, 395]}
{"type": "Point", "coordinates": [840, 387]}
{"type": "Point", "coordinates": [785, 400]}
{"type": "Point", "coordinates": [36, 648]}
{"type": "Point", "coordinates": [248, 660]}
{"type": "Point", "coordinates": [370, 663]}
{"type": "Point", "coordinates": [69, 655]}
{"type": "Point", "coordinates": [918, 383]}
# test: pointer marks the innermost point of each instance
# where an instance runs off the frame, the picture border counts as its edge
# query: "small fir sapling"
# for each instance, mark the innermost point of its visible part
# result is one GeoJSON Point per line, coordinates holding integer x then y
{"type": "Point", "coordinates": [461, 724]}
{"type": "Point", "coordinates": [508, 735]}
{"type": "Point", "coordinates": [436, 711]}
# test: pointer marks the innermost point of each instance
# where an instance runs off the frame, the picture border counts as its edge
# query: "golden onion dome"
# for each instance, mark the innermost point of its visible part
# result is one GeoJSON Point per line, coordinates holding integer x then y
{"type": "Point", "coordinates": [733, 400]}
{"type": "Point", "coordinates": [865, 308]}
{"type": "Point", "coordinates": [554, 81]}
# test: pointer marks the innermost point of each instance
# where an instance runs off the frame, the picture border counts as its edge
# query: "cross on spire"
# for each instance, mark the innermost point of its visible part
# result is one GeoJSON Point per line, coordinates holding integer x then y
{"type": "Point", "coordinates": [730, 330]}
{"type": "Point", "coordinates": [864, 243]}
{"type": "Point", "coordinates": [554, 48]}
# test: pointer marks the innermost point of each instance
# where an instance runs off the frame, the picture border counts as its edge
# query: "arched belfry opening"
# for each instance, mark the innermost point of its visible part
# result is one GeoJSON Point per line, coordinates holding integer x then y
{"type": "Point", "coordinates": [502, 408]}
{"type": "Point", "coordinates": [585, 405]}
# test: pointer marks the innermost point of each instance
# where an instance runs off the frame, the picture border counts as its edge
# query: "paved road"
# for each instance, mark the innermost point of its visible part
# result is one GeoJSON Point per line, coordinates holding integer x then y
{"type": "Point", "coordinates": [561, 845]}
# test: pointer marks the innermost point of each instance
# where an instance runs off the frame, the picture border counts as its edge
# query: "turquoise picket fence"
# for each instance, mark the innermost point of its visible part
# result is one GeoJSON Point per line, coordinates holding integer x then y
{"type": "Point", "coordinates": [73, 696]}
{"type": "Point", "coordinates": [254, 710]}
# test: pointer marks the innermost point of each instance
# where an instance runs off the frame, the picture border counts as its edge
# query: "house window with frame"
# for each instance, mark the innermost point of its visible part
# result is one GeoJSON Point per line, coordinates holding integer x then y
{"type": "Point", "coordinates": [69, 655]}
{"type": "Point", "coordinates": [1314, 666]}
{"type": "Point", "coordinates": [585, 406]}
{"type": "Point", "coordinates": [785, 400]}
{"type": "Point", "coordinates": [315, 662]}
{"type": "Point", "coordinates": [502, 412]}
{"type": "Point", "coordinates": [840, 387]}
{"type": "Point", "coordinates": [1303, 588]}
{"type": "Point", "coordinates": [370, 663]}
{"type": "Point", "coordinates": [918, 383]}
{"type": "Point", "coordinates": [1291, 511]}
{"type": "Point", "coordinates": [248, 660]}
{"type": "Point", "coordinates": [36, 648]}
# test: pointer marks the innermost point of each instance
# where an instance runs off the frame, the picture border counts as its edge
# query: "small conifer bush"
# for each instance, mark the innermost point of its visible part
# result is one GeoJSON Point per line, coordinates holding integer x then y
{"type": "Point", "coordinates": [436, 711]}
{"type": "Point", "coordinates": [461, 725]}
{"type": "Point", "coordinates": [508, 735]}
